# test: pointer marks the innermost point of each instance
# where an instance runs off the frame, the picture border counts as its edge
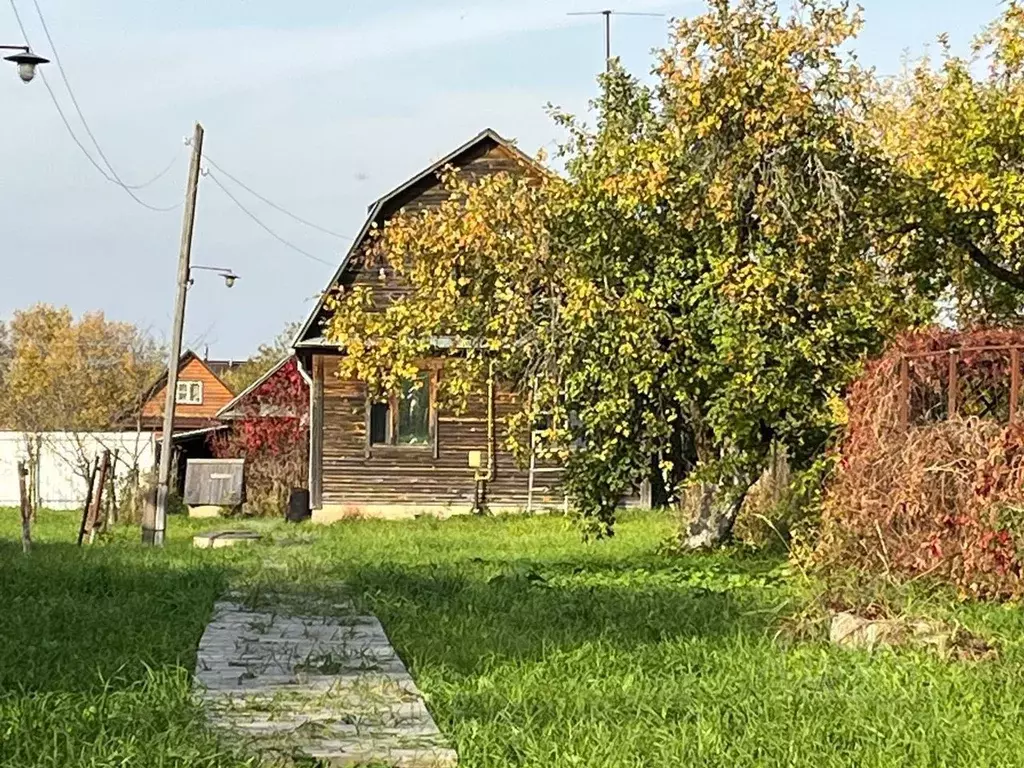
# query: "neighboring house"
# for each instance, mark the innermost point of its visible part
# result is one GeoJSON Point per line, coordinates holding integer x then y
{"type": "Point", "coordinates": [267, 397]}
{"type": "Point", "coordinates": [406, 455]}
{"type": "Point", "coordinates": [200, 395]}
{"type": "Point", "coordinates": [221, 367]}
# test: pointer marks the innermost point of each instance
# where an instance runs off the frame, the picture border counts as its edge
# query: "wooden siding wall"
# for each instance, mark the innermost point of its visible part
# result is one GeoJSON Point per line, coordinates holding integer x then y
{"type": "Point", "coordinates": [429, 193]}
{"type": "Point", "coordinates": [316, 434]}
{"type": "Point", "coordinates": [438, 474]}
{"type": "Point", "coordinates": [351, 475]}
{"type": "Point", "coordinates": [215, 395]}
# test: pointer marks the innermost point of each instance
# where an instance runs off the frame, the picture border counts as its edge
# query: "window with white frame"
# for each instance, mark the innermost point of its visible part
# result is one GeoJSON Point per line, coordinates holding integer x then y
{"type": "Point", "coordinates": [189, 393]}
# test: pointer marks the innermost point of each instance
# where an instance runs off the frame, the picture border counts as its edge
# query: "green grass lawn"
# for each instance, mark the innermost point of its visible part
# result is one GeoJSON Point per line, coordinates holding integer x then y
{"type": "Point", "coordinates": [533, 649]}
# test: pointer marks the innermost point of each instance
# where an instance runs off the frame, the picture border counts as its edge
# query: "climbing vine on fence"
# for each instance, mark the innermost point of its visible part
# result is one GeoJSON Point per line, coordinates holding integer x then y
{"type": "Point", "coordinates": [272, 435]}
{"type": "Point", "coordinates": [930, 481]}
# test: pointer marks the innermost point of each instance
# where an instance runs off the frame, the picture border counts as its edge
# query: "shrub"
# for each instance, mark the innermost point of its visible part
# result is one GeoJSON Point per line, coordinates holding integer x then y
{"type": "Point", "coordinates": [930, 484]}
{"type": "Point", "coordinates": [271, 433]}
{"type": "Point", "coordinates": [783, 503]}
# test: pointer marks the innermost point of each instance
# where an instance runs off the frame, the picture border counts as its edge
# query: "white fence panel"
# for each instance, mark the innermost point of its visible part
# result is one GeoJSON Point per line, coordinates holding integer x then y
{"type": "Point", "coordinates": [60, 483]}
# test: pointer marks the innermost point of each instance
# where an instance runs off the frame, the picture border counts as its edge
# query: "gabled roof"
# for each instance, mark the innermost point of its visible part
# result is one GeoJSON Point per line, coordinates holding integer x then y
{"type": "Point", "coordinates": [431, 170]}
{"type": "Point", "coordinates": [220, 367]}
{"type": "Point", "coordinates": [381, 204]}
{"type": "Point", "coordinates": [187, 357]}
{"type": "Point", "coordinates": [225, 412]}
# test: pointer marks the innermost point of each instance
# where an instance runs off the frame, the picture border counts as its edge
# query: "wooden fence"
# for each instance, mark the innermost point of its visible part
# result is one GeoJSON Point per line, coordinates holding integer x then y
{"type": "Point", "coordinates": [982, 382]}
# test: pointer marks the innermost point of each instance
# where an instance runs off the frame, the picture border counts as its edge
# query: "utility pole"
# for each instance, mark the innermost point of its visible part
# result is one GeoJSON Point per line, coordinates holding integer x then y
{"type": "Point", "coordinates": [153, 531]}
{"type": "Point", "coordinates": [608, 13]}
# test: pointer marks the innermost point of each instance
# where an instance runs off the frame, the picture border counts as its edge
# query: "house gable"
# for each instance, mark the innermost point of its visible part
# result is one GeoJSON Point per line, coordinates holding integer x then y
{"type": "Point", "coordinates": [486, 154]}
{"type": "Point", "coordinates": [214, 394]}
{"type": "Point", "coordinates": [249, 400]}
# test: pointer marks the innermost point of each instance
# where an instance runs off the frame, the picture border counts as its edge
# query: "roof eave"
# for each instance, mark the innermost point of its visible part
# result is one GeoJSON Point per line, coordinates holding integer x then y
{"type": "Point", "coordinates": [300, 341]}
{"type": "Point", "coordinates": [223, 412]}
{"type": "Point", "coordinates": [300, 337]}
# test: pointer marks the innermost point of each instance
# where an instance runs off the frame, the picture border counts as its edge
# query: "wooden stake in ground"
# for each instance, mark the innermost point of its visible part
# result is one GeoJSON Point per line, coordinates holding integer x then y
{"type": "Point", "coordinates": [112, 492]}
{"type": "Point", "coordinates": [26, 509]}
{"type": "Point", "coordinates": [96, 517]}
{"type": "Point", "coordinates": [88, 501]}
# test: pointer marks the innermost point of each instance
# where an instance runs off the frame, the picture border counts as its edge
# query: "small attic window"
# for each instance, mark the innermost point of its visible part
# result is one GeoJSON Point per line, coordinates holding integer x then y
{"type": "Point", "coordinates": [189, 393]}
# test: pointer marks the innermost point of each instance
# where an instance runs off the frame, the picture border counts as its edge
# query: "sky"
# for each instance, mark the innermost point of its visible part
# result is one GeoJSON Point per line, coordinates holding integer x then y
{"type": "Point", "coordinates": [321, 106]}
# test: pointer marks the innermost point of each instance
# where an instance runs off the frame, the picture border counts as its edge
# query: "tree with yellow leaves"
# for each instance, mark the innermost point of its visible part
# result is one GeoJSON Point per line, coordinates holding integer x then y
{"type": "Point", "coordinates": [72, 376]}
{"type": "Point", "coordinates": [697, 287]}
{"type": "Point", "coordinates": [954, 133]}
{"type": "Point", "coordinates": [68, 375]}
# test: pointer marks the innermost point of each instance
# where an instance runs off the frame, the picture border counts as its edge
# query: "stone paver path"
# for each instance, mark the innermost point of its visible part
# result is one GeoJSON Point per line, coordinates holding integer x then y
{"type": "Point", "coordinates": [328, 688]}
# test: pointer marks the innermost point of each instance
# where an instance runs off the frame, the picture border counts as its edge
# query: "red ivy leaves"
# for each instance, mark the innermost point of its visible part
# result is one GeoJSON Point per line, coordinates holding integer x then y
{"type": "Point", "coordinates": [937, 498]}
{"type": "Point", "coordinates": [271, 432]}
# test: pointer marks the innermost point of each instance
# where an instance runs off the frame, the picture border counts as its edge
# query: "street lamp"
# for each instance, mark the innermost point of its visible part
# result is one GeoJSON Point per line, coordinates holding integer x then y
{"type": "Point", "coordinates": [153, 530]}
{"type": "Point", "coordinates": [228, 274]}
{"type": "Point", "coordinates": [25, 59]}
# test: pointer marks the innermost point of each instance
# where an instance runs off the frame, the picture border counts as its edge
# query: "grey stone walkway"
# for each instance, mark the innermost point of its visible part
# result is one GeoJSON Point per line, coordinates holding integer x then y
{"type": "Point", "coordinates": [328, 688]}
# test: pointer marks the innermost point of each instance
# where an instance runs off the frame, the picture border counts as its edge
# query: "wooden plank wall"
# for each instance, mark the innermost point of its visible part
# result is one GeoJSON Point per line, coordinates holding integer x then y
{"type": "Point", "coordinates": [429, 193]}
{"type": "Point", "coordinates": [351, 475]}
{"type": "Point", "coordinates": [215, 395]}
{"type": "Point", "coordinates": [351, 472]}
{"type": "Point", "coordinates": [316, 434]}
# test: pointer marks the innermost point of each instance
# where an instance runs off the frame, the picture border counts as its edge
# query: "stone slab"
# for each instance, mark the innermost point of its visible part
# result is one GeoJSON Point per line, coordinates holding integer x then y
{"type": "Point", "coordinates": [217, 539]}
{"type": "Point", "coordinates": [331, 688]}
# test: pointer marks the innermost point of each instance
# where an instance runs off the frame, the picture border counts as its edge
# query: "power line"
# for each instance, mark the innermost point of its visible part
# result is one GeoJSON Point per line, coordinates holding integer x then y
{"type": "Point", "coordinates": [274, 205]}
{"type": "Point", "coordinates": [85, 123]}
{"type": "Point", "coordinates": [263, 226]}
{"type": "Point", "coordinates": [167, 169]}
{"type": "Point", "coordinates": [112, 176]}
{"type": "Point", "coordinates": [53, 96]}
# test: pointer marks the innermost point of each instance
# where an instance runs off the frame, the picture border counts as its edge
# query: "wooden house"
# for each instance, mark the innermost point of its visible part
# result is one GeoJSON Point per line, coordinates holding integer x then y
{"type": "Point", "coordinates": [281, 392]}
{"type": "Point", "coordinates": [407, 456]}
{"type": "Point", "coordinates": [200, 395]}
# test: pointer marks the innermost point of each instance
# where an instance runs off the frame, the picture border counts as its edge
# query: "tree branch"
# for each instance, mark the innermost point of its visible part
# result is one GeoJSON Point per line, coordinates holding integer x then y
{"type": "Point", "coordinates": [979, 257]}
{"type": "Point", "coordinates": [976, 254]}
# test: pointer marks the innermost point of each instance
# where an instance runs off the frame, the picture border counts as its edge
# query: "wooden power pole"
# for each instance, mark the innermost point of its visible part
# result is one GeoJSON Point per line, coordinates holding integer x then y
{"type": "Point", "coordinates": [153, 530]}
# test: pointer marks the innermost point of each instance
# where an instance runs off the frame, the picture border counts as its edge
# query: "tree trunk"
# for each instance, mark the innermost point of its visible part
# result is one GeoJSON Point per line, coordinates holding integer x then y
{"type": "Point", "coordinates": [712, 509]}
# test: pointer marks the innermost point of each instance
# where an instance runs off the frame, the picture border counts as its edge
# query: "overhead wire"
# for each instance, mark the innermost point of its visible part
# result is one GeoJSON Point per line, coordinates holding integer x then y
{"type": "Point", "coordinates": [85, 123]}
{"type": "Point", "coordinates": [272, 204]}
{"type": "Point", "coordinates": [112, 175]}
{"type": "Point", "coordinates": [241, 206]}
{"type": "Point", "coordinates": [114, 178]}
